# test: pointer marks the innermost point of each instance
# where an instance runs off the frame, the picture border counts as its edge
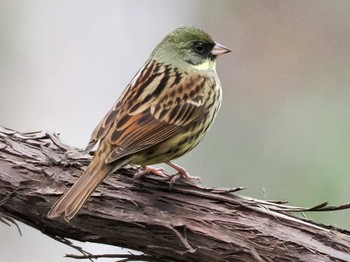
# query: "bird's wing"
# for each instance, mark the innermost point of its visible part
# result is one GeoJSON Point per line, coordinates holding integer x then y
{"type": "Point", "coordinates": [157, 104]}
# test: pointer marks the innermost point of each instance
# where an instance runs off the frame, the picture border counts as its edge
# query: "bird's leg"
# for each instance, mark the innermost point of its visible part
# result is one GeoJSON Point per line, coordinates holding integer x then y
{"type": "Point", "coordinates": [180, 170]}
{"type": "Point", "coordinates": [155, 170]}
{"type": "Point", "coordinates": [149, 169]}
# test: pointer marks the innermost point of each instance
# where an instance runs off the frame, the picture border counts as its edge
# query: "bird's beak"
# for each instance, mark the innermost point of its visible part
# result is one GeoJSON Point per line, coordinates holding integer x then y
{"type": "Point", "coordinates": [219, 50]}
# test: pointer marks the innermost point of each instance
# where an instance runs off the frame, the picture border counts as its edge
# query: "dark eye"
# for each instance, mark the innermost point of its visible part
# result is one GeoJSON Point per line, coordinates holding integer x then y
{"type": "Point", "coordinates": [199, 48]}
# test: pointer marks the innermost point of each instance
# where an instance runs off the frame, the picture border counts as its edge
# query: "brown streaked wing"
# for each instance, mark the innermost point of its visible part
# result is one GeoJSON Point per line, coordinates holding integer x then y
{"type": "Point", "coordinates": [136, 137]}
{"type": "Point", "coordinates": [102, 128]}
{"type": "Point", "coordinates": [167, 110]}
{"type": "Point", "coordinates": [105, 124]}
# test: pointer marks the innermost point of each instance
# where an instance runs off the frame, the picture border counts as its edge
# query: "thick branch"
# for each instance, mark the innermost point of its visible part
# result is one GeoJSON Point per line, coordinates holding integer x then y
{"type": "Point", "coordinates": [188, 223]}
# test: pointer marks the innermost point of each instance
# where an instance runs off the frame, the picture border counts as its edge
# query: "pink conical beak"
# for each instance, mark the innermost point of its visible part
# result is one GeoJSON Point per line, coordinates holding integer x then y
{"type": "Point", "coordinates": [220, 50]}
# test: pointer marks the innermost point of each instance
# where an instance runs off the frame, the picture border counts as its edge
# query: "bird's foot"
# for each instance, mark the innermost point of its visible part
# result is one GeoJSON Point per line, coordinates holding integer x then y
{"type": "Point", "coordinates": [180, 170]}
{"type": "Point", "coordinates": [159, 171]}
{"type": "Point", "coordinates": [181, 173]}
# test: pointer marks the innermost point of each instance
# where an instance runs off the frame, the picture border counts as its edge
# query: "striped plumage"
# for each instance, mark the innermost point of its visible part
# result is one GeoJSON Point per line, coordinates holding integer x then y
{"type": "Point", "coordinates": [163, 113]}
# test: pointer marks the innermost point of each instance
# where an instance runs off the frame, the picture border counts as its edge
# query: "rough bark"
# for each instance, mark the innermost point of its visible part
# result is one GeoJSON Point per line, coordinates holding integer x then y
{"type": "Point", "coordinates": [186, 223]}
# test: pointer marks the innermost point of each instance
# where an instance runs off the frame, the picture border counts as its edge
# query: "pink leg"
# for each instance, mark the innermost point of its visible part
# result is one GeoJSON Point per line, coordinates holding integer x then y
{"type": "Point", "coordinates": [181, 171]}
{"type": "Point", "coordinates": [155, 170]}
{"type": "Point", "coordinates": [146, 169]}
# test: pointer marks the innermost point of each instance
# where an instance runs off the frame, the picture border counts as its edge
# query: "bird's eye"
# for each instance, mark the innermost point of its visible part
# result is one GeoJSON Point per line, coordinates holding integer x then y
{"type": "Point", "coordinates": [199, 48]}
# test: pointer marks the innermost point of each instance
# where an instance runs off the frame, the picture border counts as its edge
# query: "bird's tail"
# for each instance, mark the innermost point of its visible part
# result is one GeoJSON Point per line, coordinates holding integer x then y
{"type": "Point", "coordinates": [72, 201]}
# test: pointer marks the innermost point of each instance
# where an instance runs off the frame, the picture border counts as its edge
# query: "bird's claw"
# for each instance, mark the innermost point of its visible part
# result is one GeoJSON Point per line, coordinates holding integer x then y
{"type": "Point", "coordinates": [186, 179]}
{"type": "Point", "coordinates": [159, 171]}
{"type": "Point", "coordinates": [181, 174]}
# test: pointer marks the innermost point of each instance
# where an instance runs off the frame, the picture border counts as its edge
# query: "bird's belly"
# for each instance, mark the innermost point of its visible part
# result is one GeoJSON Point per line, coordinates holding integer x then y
{"type": "Point", "coordinates": [176, 146]}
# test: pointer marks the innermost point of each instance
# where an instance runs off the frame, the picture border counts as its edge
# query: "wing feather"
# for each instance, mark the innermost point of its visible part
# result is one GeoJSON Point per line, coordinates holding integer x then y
{"type": "Point", "coordinates": [152, 110]}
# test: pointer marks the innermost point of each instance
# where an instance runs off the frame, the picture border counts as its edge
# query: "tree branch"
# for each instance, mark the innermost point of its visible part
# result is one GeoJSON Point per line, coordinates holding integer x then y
{"type": "Point", "coordinates": [186, 223]}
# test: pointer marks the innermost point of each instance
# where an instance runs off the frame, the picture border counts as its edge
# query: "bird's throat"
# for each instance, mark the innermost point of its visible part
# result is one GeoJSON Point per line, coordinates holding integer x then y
{"type": "Point", "coordinates": [207, 65]}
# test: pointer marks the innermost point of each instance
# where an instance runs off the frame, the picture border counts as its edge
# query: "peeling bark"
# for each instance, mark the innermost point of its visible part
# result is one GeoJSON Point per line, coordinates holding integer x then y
{"type": "Point", "coordinates": [186, 223]}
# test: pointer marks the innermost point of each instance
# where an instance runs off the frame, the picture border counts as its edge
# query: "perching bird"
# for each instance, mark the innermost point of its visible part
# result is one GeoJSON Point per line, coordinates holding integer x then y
{"type": "Point", "coordinates": [163, 113]}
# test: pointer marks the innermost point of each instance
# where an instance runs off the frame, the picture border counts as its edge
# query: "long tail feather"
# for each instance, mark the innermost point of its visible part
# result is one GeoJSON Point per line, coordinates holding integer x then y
{"type": "Point", "coordinates": [72, 201]}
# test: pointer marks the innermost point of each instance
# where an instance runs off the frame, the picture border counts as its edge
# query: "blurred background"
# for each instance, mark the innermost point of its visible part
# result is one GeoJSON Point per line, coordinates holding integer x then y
{"type": "Point", "coordinates": [284, 126]}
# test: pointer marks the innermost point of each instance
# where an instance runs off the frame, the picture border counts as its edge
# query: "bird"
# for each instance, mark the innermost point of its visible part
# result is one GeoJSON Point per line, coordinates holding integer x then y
{"type": "Point", "coordinates": [163, 113]}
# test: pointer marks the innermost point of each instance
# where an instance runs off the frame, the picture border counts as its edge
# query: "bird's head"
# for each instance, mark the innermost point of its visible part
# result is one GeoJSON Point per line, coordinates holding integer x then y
{"type": "Point", "coordinates": [189, 46]}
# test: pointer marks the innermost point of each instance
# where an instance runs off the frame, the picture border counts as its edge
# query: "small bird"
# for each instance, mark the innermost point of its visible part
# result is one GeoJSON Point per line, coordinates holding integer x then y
{"type": "Point", "coordinates": [163, 113]}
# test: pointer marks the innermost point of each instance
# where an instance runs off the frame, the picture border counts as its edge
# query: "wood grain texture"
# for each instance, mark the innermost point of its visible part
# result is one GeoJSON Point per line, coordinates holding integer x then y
{"type": "Point", "coordinates": [186, 223]}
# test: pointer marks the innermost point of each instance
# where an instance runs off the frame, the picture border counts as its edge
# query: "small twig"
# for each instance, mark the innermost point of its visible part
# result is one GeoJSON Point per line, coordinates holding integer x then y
{"type": "Point", "coordinates": [6, 219]}
{"type": "Point", "coordinates": [54, 137]}
{"type": "Point", "coordinates": [125, 257]}
{"type": "Point", "coordinates": [183, 240]}
{"type": "Point", "coordinates": [70, 244]}
{"type": "Point", "coordinates": [5, 199]}
{"type": "Point", "coordinates": [227, 190]}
